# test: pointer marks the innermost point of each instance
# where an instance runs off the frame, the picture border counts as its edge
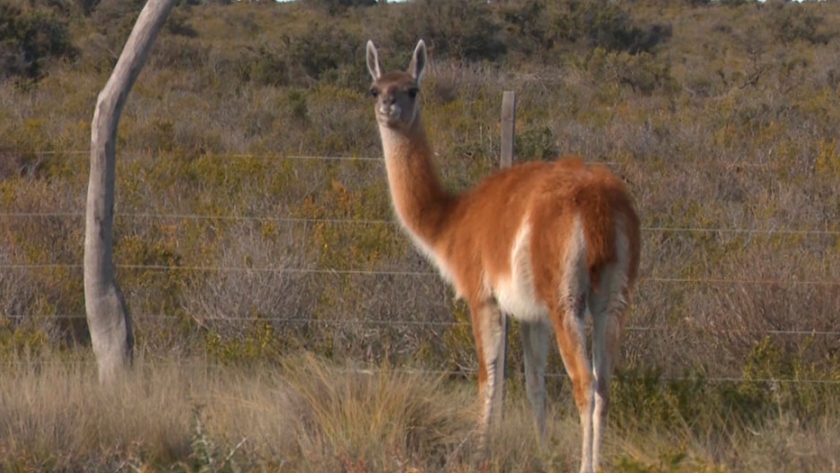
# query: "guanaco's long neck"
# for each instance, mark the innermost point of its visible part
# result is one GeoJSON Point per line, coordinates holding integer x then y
{"type": "Point", "coordinates": [420, 200]}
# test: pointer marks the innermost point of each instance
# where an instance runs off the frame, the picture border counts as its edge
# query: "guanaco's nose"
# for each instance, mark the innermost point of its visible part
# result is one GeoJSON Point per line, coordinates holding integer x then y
{"type": "Point", "coordinates": [389, 99]}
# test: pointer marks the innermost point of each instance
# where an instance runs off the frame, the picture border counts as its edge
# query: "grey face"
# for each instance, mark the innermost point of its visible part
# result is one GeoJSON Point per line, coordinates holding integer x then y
{"type": "Point", "coordinates": [396, 100]}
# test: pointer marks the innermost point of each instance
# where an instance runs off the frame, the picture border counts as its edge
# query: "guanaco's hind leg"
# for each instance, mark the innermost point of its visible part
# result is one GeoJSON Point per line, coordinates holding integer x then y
{"type": "Point", "coordinates": [608, 308]}
{"type": "Point", "coordinates": [488, 331]}
{"type": "Point", "coordinates": [568, 320]}
{"type": "Point", "coordinates": [606, 330]}
{"type": "Point", "coordinates": [535, 337]}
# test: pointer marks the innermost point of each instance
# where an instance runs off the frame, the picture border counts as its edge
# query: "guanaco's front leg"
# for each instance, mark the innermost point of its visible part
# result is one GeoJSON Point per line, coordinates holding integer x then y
{"type": "Point", "coordinates": [488, 330]}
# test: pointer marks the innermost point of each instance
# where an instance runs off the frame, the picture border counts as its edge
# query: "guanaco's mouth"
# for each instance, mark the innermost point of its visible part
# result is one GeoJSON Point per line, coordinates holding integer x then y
{"type": "Point", "coordinates": [388, 114]}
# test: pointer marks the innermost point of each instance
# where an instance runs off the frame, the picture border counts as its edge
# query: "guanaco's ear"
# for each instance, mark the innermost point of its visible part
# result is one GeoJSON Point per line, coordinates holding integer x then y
{"type": "Point", "coordinates": [418, 62]}
{"type": "Point", "coordinates": [373, 64]}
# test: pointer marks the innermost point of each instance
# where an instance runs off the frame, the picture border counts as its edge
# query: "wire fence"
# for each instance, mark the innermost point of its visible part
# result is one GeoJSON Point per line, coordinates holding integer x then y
{"type": "Point", "coordinates": [401, 273]}
{"type": "Point", "coordinates": [262, 156]}
{"type": "Point", "coordinates": [363, 272]}
{"type": "Point", "coordinates": [417, 323]}
{"type": "Point", "coordinates": [462, 373]}
{"type": "Point", "coordinates": [281, 156]}
{"type": "Point", "coordinates": [391, 222]}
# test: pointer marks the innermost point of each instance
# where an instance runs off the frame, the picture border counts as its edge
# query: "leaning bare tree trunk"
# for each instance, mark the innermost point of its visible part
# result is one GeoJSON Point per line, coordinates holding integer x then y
{"type": "Point", "coordinates": [108, 318]}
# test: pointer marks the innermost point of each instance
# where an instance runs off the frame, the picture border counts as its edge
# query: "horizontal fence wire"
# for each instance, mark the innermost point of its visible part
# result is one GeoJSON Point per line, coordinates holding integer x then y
{"type": "Point", "coordinates": [149, 216]}
{"type": "Point", "coordinates": [363, 272]}
{"type": "Point", "coordinates": [280, 156]}
{"type": "Point", "coordinates": [351, 221]}
{"type": "Point", "coordinates": [265, 156]}
{"type": "Point", "coordinates": [34, 363]}
{"type": "Point", "coordinates": [270, 156]}
{"type": "Point", "coordinates": [428, 323]}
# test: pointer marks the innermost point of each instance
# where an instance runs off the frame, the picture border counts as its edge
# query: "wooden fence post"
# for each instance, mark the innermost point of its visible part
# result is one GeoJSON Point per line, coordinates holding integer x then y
{"type": "Point", "coordinates": [107, 315]}
{"type": "Point", "coordinates": [508, 121]}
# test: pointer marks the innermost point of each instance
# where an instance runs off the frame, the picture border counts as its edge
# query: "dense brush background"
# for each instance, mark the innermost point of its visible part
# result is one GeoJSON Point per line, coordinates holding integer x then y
{"type": "Point", "coordinates": [245, 246]}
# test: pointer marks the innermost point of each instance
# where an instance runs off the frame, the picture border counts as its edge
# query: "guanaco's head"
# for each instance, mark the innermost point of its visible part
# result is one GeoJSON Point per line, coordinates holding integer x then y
{"type": "Point", "coordinates": [396, 92]}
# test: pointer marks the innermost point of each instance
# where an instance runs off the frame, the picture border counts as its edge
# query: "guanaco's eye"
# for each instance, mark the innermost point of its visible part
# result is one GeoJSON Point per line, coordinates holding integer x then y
{"type": "Point", "coordinates": [374, 92]}
{"type": "Point", "coordinates": [412, 92]}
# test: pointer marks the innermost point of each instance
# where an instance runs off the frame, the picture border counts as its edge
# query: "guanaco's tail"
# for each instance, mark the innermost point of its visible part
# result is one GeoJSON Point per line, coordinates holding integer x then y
{"type": "Point", "coordinates": [602, 201]}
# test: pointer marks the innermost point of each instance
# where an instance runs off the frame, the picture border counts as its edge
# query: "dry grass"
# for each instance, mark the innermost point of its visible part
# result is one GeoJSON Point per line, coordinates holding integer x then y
{"type": "Point", "coordinates": [177, 414]}
{"type": "Point", "coordinates": [729, 123]}
{"type": "Point", "coordinates": [308, 415]}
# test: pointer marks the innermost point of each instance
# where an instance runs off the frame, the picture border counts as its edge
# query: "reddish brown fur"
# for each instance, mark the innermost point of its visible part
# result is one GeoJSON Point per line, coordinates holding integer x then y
{"type": "Point", "coordinates": [472, 236]}
{"type": "Point", "coordinates": [553, 194]}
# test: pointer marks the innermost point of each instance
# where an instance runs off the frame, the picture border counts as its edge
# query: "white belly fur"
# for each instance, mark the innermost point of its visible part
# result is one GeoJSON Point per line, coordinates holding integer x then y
{"type": "Point", "coordinates": [515, 294]}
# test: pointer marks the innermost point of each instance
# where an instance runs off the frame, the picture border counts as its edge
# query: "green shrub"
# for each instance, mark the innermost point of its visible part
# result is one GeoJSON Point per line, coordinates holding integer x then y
{"type": "Point", "coordinates": [115, 19]}
{"type": "Point", "coordinates": [22, 340]}
{"type": "Point", "coordinates": [535, 143]}
{"type": "Point", "coordinates": [301, 59]}
{"type": "Point", "coordinates": [790, 22]}
{"type": "Point", "coordinates": [178, 22]}
{"type": "Point", "coordinates": [458, 29]}
{"type": "Point", "coordinates": [334, 7]}
{"type": "Point", "coordinates": [28, 39]}
{"type": "Point", "coordinates": [527, 28]}
{"type": "Point", "coordinates": [262, 65]}
{"type": "Point", "coordinates": [16, 163]}
{"type": "Point", "coordinates": [321, 48]}
{"type": "Point", "coordinates": [603, 24]}
{"type": "Point", "coordinates": [643, 73]}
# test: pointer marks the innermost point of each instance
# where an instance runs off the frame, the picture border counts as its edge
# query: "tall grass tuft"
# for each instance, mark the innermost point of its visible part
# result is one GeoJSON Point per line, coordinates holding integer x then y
{"type": "Point", "coordinates": [308, 415]}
